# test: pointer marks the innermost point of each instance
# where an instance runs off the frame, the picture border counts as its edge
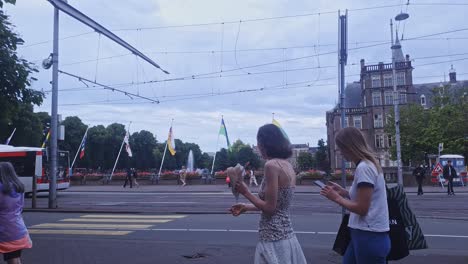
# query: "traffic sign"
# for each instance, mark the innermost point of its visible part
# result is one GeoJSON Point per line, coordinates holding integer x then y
{"type": "Point", "coordinates": [438, 168]}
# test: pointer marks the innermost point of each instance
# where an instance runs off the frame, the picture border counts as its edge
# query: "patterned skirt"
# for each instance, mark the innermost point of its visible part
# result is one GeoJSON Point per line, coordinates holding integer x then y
{"type": "Point", "coordinates": [286, 251]}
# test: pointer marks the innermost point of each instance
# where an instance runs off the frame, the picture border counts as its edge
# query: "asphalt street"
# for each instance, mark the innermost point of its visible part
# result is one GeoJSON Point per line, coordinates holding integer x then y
{"type": "Point", "coordinates": [433, 205]}
{"type": "Point", "coordinates": [71, 238]}
{"type": "Point", "coordinates": [109, 224]}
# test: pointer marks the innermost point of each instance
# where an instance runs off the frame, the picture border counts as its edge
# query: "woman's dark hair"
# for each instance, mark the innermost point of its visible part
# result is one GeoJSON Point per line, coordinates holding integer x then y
{"type": "Point", "coordinates": [273, 142]}
{"type": "Point", "coordinates": [9, 179]}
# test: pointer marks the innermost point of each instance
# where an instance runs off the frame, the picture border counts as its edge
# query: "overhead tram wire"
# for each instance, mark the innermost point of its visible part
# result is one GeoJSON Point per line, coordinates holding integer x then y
{"type": "Point", "coordinates": [216, 23]}
{"type": "Point", "coordinates": [129, 94]}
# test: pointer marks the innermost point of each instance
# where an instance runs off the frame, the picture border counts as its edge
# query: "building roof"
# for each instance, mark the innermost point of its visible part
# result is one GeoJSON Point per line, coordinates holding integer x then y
{"type": "Point", "coordinates": [399, 57]}
{"type": "Point", "coordinates": [297, 146]}
{"type": "Point", "coordinates": [353, 95]}
{"type": "Point", "coordinates": [426, 89]}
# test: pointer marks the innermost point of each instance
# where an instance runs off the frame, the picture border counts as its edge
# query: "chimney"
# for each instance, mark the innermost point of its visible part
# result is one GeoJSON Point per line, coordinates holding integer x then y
{"type": "Point", "coordinates": [363, 63]}
{"type": "Point", "coordinates": [452, 75]}
{"type": "Point", "coordinates": [407, 57]}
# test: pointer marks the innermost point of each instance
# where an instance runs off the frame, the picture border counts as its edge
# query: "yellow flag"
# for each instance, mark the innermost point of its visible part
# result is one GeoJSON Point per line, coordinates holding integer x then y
{"type": "Point", "coordinates": [171, 143]}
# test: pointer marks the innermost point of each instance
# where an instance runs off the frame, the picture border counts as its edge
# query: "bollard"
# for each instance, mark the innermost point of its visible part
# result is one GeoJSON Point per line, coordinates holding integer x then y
{"type": "Point", "coordinates": [34, 192]}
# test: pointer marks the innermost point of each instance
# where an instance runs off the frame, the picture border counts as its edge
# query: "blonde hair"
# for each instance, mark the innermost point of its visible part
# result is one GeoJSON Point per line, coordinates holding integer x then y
{"type": "Point", "coordinates": [351, 140]}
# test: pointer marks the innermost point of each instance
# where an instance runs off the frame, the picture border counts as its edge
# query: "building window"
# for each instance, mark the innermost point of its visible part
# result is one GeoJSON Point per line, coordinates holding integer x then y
{"type": "Point", "coordinates": [376, 81]}
{"type": "Point", "coordinates": [388, 80]}
{"type": "Point", "coordinates": [376, 98]}
{"type": "Point", "coordinates": [378, 122]}
{"type": "Point", "coordinates": [389, 140]}
{"type": "Point", "coordinates": [365, 101]}
{"type": "Point", "coordinates": [379, 141]}
{"type": "Point", "coordinates": [401, 78]}
{"type": "Point", "coordinates": [423, 100]}
{"type": "Point", "coordinates": [389, 97]}
{"type": "Point", "coordinates": [402, 96]}
{"type": "Point", "coordinates": [357, 122]}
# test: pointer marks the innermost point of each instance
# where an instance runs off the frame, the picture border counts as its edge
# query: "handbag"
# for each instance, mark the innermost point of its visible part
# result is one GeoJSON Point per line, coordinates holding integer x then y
{"type": "Point", "coordinates": [398, 241]}
{"type": "Point", "coordinates": [343, 237]}
{"type": "Point", "coordinates": [414, 235]}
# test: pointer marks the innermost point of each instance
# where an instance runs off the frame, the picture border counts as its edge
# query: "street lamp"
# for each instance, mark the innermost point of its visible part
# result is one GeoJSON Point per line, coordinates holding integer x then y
{"type": "Point", "coordinates": [396, 98]}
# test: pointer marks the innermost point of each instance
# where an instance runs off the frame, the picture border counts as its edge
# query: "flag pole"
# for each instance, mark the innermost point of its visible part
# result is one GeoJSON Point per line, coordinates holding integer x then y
{"type": "Point", "coordinates": [216, 151]}
{"type": "Point", "coordinates": [273, 116]}
{"type": "Point", "coordinates": [164, 154]}
{"type": "Point", "coordinates": [10, 137]}
{"type": "Point", "coordinates": [118, 155]}
{"type": "Point", "coordinates": [79, 147]}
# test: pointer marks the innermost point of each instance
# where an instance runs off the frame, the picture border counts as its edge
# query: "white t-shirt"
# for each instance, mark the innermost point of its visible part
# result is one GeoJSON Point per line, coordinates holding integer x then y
{"type": "Point", "coordinates": [377, 219]}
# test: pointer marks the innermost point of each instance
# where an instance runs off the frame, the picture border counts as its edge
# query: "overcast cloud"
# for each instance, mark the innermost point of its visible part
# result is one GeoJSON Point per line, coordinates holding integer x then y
{"type": "Point", "coordinates": [301, 110]}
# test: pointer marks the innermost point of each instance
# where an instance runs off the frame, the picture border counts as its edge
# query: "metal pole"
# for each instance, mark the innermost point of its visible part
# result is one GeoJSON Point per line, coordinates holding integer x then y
{"type": "Point", "coordinates": [78, 151]}
{"type": "Point", "coordinates": [342, 56]}
{"type": "Point", "coordinates": [118, 156]}
{"type": "Point", "coordinates": [54, 117]}
{"type": "Point", "coordinates": [162, 161]}
{"type": "Point", "coordinates": [396, 102]}
{"type": "Point", "coordinates": [214, 158]}
{"type": "Point", "coordinates": [165, 149]}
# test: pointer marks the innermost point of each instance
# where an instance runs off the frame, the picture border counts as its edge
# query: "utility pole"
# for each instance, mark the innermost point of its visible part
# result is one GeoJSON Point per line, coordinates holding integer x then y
{"type": "Point", "coordinates": [54, 116]}
{"type": "Point", "coordinates": [342, 59]}
{"type": "Point", "coordinates": [396, 102]}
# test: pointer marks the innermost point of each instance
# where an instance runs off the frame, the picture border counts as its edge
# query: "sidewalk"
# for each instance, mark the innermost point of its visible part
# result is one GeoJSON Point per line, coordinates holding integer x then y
{"type": "Point", "coordinates": [218, 188]}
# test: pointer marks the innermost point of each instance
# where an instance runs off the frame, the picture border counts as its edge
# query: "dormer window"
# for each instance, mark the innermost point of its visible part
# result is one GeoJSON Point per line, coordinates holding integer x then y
{"type": "Point", "coordinates": [423, 100]}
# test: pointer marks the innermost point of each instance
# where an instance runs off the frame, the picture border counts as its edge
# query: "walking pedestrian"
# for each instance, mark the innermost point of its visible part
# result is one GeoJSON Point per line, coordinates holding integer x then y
{"type": "Point", "coordinates": [14, 236]}
{"type": "Point", "coordinates": [128, 178]}
{"type": "Point", "coordinates": [183, 176]}
{"type": "Point", "coordinates": [135, 175]}
{"type": "Point", "coordinates": [277, 242]}
{"type": "Point", "coordinates": [366, 200]}
{"type": "Point", "coordinates": [253, 179]}
{"type": "Point", "coordinates": [449, 173]}
{"type": "Point", "coordinates": [420, 174]}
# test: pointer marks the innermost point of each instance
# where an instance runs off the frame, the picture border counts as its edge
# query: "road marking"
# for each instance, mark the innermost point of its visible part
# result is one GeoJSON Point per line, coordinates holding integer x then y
{"type": "Point", "coordinates": [133, 216]}
{"type": "Point", "coordinates": [121, 203]}
{"type": "Point", "coordinates": [100, 220]}
{"type": "Point", "coordinates": [78, 232]}
{"type": "Point", "coordinates": [91, 226]}
{"type": "Point", "coordinates": [448, 236]}
{"type": "Point", "coordinates": [256, 231]}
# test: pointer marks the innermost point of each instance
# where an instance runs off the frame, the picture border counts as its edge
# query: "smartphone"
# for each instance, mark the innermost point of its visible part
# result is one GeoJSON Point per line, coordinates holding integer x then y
{"type": "Point", "coordinates": [320, 184]}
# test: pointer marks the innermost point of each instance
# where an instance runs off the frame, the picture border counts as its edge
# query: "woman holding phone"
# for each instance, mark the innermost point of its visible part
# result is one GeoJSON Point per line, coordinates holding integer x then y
{"type": "Point", "coordinates": [366, 200]}
{"type": "Point", "coordinates": [278, 243]}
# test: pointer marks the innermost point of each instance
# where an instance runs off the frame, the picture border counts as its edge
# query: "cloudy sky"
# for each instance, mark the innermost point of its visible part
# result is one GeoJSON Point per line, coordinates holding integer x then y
{"type": "Point", "coordinates": [223, 44]}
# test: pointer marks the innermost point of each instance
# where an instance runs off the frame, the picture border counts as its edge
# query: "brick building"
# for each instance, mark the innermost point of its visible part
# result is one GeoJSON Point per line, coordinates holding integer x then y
{"type": "Point", "coordinates": [369, 102]}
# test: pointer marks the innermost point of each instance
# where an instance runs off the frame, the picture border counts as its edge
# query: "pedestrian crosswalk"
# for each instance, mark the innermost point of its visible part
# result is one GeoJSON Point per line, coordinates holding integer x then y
{"type": "Point", "coordinates": [102, 224]}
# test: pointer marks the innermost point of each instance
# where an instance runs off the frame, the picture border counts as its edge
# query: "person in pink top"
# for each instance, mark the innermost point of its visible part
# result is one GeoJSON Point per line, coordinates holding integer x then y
{"type": "Point", "coordinates": [14, 236]}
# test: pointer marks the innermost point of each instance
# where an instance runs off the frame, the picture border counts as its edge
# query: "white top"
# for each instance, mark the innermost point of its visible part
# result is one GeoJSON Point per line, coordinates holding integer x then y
{"type": "Point", "coordinates": [377, 219]}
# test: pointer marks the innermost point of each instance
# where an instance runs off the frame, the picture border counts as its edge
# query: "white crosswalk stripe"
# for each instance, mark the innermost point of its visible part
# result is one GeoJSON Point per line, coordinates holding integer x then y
{"type": "Point", "coordinates": [102, 224]}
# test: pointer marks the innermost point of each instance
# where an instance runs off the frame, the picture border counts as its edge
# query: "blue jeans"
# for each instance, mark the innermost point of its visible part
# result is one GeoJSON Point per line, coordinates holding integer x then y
{"type": "Point", "coordinates": [367, 247]}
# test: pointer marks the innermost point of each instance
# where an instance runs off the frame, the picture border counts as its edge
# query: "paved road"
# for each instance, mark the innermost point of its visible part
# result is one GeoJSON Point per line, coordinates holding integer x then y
{"type": "Point", "coordinates": [73, 238]}
{"type": "Point", "coordinates": [307, 203]}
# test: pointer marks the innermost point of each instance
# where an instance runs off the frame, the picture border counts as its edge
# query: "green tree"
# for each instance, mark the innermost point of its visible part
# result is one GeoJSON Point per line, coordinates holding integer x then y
{"type": "Point", "coordinates": [16, 98]}
{"type": "Point", "coordinates": [305, 161]}
{"type": "Point", "coordinates": [422, 130]}
{"type": "Point", "coordinates": [321, 157]}
{"type": "Point", "coordinates": [143, 144]}
{"type": "Point", "coordinates": [74, 132]}
{"type": "Point", "coordinates": [222, 160]}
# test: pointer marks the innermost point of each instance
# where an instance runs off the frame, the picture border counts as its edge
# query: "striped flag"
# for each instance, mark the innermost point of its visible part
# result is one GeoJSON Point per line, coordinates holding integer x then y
{"type": "Point", "coordinates": [171, 142]}
{"type": "Point", "coordinates": [127, 144]}
{"type": "Point", "coordinates": [82, 147]}
{"type": "Point", "coordinates": [276, 123]}
{"type": "Point", "coordinates": [11, 136]}
{"type": "Point", "coordinates": [46, 139]}
{"type": "Point", "coordinates": [223, 132]}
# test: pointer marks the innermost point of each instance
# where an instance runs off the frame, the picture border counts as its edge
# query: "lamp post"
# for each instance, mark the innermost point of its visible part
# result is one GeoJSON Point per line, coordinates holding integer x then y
{"type": "Point", "coordinates": [396, 99]}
